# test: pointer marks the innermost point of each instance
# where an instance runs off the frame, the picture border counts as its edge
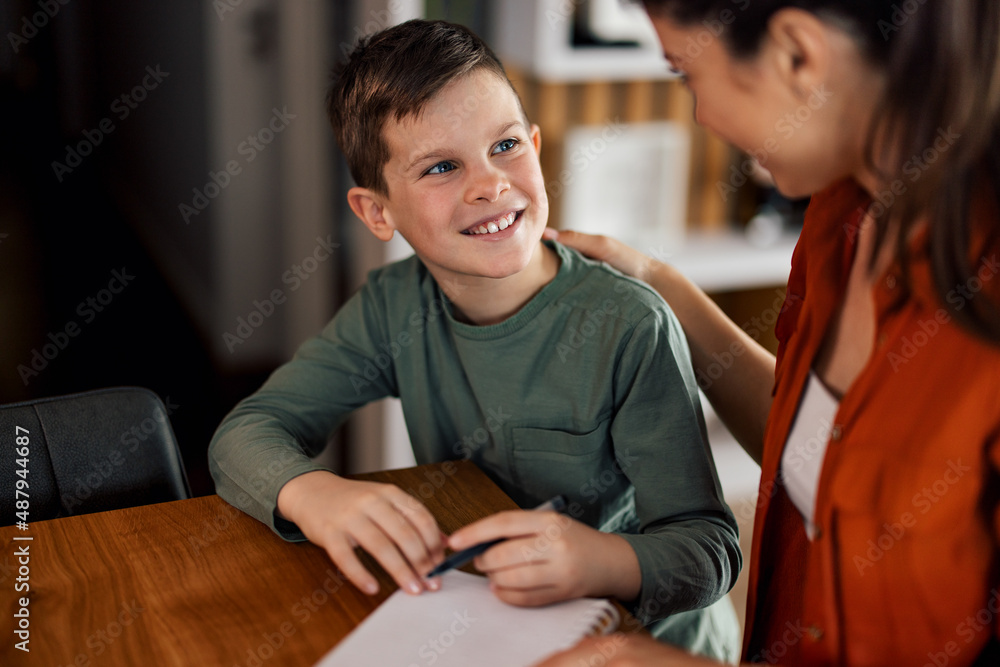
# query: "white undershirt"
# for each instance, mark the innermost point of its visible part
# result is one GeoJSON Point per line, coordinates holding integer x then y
{"type": "Point", "coordinates": [805, 450]}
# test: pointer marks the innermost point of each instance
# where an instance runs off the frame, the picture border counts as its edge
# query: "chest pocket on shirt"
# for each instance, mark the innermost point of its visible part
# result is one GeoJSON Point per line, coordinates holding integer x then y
{"type": "Point", "coordinates": [548, 462]}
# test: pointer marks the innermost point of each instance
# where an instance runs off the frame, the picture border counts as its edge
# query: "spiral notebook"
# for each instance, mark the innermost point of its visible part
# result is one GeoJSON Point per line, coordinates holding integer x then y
{"type": "Point", "coordinates": [465, 624]}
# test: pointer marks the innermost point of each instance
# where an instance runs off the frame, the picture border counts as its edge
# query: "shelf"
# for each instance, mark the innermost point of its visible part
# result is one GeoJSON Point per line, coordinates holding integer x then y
{"type": "Point", "coordinates": [535, 36]}
{"type": "Point", "coordinates": [726, 261]}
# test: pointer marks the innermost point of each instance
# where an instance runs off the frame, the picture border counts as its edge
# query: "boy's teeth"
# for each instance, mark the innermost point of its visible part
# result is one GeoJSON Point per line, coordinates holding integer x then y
{"type": "Point", "coordinates": [497, 226]}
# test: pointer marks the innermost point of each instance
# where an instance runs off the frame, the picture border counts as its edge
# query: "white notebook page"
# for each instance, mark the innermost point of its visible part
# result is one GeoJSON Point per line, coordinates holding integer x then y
{"type": "Point", "coordinates": [464, 624]}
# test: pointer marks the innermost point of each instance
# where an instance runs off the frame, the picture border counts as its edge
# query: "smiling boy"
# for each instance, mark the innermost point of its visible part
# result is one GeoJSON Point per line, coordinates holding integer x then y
{"type": "Point", "coordinates": [463, 186]}
{"type": "Point", "coordinates": [548, 370]}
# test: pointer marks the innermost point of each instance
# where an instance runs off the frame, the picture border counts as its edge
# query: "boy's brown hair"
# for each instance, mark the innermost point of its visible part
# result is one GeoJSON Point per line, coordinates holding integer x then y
{"type": "Point", "coordinates": [395, 72]}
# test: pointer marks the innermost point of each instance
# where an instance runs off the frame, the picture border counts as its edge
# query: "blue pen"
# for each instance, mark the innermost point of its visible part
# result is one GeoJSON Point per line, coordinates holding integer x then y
{"type": "Point", "coordinates": [460, 558]}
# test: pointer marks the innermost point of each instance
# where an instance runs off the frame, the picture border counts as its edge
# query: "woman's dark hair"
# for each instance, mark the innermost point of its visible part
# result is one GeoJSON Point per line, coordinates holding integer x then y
{"type": "Point", "coordinates": [394, 73]}
{"type": "Point", "coordinates": [941, 59]}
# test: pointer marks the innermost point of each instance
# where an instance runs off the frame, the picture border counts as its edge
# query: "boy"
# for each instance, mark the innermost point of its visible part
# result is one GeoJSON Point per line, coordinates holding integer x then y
{"type": "Point", "coordinates": [547, 370]}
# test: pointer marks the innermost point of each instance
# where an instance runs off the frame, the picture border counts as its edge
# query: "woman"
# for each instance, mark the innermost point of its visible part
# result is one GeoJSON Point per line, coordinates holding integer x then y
{"type": "Point", "coordinates": [877, 425]}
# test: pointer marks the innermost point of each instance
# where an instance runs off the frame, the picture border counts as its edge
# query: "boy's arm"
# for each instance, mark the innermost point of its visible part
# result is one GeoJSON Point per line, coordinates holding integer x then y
{"type": "Point", "coordinates": [260, 455]}
{"type": "Point", "coordinates": [269, 437]}
{"type": "Point", "coordinates": [688, 548]}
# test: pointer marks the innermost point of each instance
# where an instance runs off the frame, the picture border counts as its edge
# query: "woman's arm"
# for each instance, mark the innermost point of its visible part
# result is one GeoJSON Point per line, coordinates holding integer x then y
{"type": "Point", "coordinates": [734, 370]}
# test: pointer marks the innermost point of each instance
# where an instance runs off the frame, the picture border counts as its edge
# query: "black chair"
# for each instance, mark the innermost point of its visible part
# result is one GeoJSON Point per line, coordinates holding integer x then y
{"type": "Point", "coordinates": [88, 452]}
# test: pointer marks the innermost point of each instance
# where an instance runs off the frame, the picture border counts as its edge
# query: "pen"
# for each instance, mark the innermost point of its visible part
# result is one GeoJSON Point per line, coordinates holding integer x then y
{"type": "Point", "coordinates": [460, 558]}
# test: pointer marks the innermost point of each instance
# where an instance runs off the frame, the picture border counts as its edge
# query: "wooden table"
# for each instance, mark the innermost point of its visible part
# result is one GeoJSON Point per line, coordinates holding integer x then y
{"type": "Point", "coordinates": [197, 582]}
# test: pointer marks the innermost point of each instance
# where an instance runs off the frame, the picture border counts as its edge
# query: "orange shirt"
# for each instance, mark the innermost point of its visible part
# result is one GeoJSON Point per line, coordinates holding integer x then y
{"type": "Point", "coordinates": [905, 569]}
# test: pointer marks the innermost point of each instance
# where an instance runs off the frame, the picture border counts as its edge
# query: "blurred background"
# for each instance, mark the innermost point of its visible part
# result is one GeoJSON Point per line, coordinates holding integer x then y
{"type": "Point", "coordinates": [172, 201]}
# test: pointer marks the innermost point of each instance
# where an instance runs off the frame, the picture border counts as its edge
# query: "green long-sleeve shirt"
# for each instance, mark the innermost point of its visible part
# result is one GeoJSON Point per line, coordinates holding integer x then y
{"type": "Point", "coordinates": [587, 391]}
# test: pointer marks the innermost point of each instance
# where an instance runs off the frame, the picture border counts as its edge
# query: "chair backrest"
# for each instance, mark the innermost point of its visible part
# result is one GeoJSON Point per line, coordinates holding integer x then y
{"type": "Point", "coordinates": [88, 452]}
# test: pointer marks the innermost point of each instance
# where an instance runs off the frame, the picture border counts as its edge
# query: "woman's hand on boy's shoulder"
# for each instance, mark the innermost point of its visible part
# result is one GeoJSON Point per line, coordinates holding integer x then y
{"type": "Point", "coordinates": [548, 557]}
{"type": "Point", "coordinates": [625, 258]}
{"type": "Point", "coordinates": [340, 514]}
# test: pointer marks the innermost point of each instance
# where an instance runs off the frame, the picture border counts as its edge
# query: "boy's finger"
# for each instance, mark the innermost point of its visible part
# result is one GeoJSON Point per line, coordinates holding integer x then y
{"type": "Point", "coordinates": [343, 556]}
{"type": "Point", "coordinates": [513, 523]}
{"type": "Point", "coordinates": [590, 245]}
{"type": "Point", "coordinates": [403, 536]}
{"type": "Point", "coordinates": [379, 546]}
{"type": "Point", "coordinates": [423, 523]}
{"type": "Point", "coordinates": [510, 556]}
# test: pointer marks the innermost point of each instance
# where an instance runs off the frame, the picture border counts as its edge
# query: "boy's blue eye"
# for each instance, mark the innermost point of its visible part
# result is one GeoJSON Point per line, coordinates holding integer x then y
{"type": "Point", "coordinates": [441, 168]}
{"type": "Point", "coordinates": [505, 145]}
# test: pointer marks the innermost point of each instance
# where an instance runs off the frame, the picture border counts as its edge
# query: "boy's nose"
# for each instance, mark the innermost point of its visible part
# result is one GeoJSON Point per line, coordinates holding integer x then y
{"type": "Point", "coordinates": [487, 184]}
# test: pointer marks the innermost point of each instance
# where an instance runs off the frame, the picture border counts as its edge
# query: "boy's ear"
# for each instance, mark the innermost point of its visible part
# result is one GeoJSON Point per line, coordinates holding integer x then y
{"type": "Point", "coordinates": [802, 53]}
{"type": "Point", "coordinates": [536, 138]}
{"type": "Point", "coordinates": [368, 206]}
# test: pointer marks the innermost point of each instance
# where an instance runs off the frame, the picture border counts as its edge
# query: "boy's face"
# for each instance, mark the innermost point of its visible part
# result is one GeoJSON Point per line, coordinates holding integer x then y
{"type": "Point", "coordinates": [465, 186]}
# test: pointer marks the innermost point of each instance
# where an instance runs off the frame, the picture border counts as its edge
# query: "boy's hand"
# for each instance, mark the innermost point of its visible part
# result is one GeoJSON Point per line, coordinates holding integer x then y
{"type": "Point", "coordinates": [549, 557]}
{"type": "Point", "coordinates": [339, 514]}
